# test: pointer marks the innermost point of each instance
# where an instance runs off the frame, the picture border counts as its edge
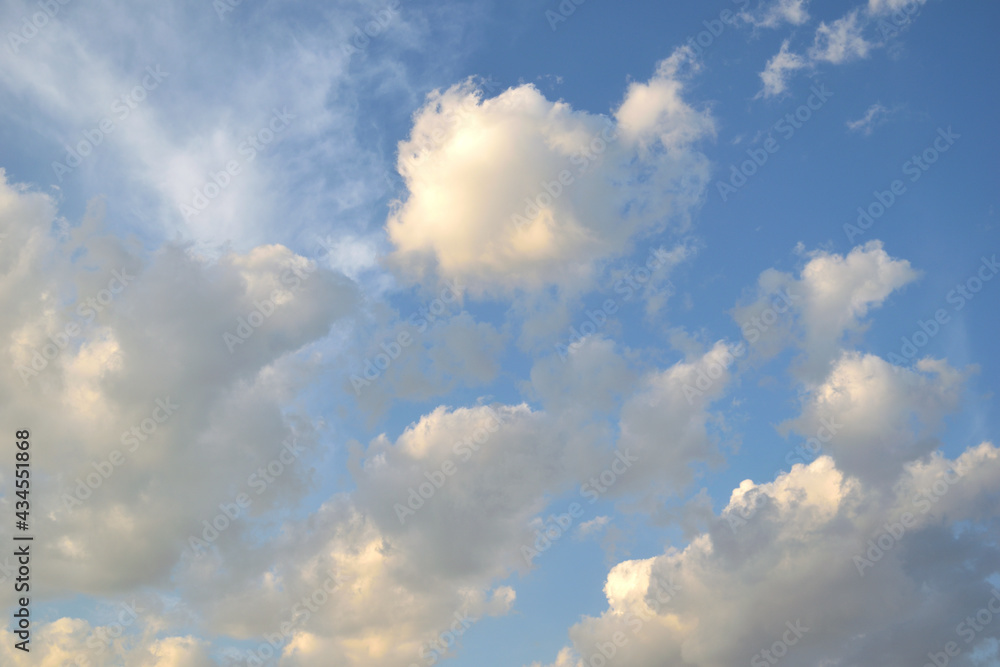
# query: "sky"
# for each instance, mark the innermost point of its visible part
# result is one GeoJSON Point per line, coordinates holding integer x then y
{"type": "Point", "coordinates": [538, 333]}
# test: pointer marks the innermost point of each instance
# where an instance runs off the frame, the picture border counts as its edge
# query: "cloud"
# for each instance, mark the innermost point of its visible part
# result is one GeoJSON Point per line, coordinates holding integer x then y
{"type": "Point", "coordinates": [875, 115]}
{"type": "Point", "coordinates": [595, 525]}
{"type": "Point", "coordinates": [829, 299]}
{"type": "Point", "coordinates": [884, 415]}
{"type": "Point", "coordinates": [314, 172]}
{"type": "Point", "coordinates": [778, 68]}
{"type": "Point", "coordinates": [776, 12]}
{"type": "Point", "coordinates": [667, 426]}
{"type": "Point", "coordinates": [592, 379]}
{"type": "Point", "coordinates": [508, 222]}
{"type": "Point", "coordinates": [131, 639]}
{"type": "Point", "coordinates": [334, 586]}
{"type": "Point", "coordinates": [840, 41]}
{"type": "Point", "coordinates": [441, 353]}
{"type": "Point", "coordinates": [164, 368]}
{"type": "Point", "coordinates": [438, 515]}
{"type": "Point", "coordinates": [837, 43]}
{"type": "Point", "coordinates": [883, 7]}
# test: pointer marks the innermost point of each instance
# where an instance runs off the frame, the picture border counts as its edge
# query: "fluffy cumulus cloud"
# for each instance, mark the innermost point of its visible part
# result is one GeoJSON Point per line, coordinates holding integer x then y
{"type": "Point", "coordinates": [520, 192]}
{"type": "Point", "coordinates": [338, 587]}
{"type": "Point", "coordinates": [437, 516]}
{"type": "Point", "coordinates": [591, 379]}
{"type": "Point", "coordinates": [667, 425]}
{"type": "Point", "coordinates": [818, 566]}
{"type": "Point", "coordinates": [164, 369]}
{"type": "Point", "coordinates": [830, 298]}
{"type": "Point", "coordinates": [872, 553]}
{"type": "Point", "coordinates": [884, 415]}
{"type": "Point", "coordinates": [455, 503]}
{"type": "Point", "coordinates": [167, 369]}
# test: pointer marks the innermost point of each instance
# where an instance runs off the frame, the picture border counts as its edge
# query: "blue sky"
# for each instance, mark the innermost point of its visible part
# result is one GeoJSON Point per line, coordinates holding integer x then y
{"type": "Point", "coordinates": [467, 258]}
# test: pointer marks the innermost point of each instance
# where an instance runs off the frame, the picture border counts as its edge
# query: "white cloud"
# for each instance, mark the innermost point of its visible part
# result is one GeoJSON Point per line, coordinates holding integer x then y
{"type": "Point", "coordinates": [840, 41]}
{"type": "Point", "coordinates": [70, 641]}
{"type": "Point", "coordinates": [831, 298]}
{"type": "Point", "coordinates": [505, 222]}
{"type": "Point", "coordinates": [485, 473]}
{"type": "Point", "coordinates": [666, 423]}
{"type": "Point", "coordinates": [776, 12]}
{"type": "Point", "coordinates": [883, 414]}
{"type": "Point", "coordinates": [776, 72]}
{"type": "Point", "coordinates": [595, 525]}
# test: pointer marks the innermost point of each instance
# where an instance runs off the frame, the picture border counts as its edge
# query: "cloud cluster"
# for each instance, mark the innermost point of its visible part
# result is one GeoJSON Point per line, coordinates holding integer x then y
{"type": "Point", "coordinates": [893, 555]}
{"type": "Point", "coordinates": [152, 397]}
{"type": "Point", "coordinates": [829, 300]}
{"type": "Point", "coordinates": [840, 41]}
